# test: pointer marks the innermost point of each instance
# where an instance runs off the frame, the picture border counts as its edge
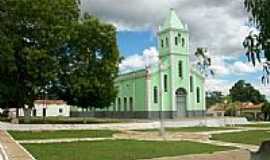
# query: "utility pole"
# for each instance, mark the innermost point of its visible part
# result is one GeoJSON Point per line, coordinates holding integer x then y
{"type": "Point", "coordinates": [161, 118]}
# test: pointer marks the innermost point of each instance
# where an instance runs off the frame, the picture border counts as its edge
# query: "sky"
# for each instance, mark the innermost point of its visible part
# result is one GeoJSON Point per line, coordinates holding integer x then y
{"type": "Point", "coordinates": [220, 26]}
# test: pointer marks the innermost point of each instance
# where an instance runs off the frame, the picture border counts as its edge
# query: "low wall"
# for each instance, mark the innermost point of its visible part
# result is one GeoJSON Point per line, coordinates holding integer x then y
{"type": "Point", "coordinates": [186, 122]}
{"type": "Point", "coordinates": [137, 114]}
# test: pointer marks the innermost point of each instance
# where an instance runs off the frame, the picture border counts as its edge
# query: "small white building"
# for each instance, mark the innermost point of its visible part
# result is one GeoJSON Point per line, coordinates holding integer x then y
{"type": "Point", "coordinates": [47, 108]}
{"type": "Point", "coordinates": [50, 108]}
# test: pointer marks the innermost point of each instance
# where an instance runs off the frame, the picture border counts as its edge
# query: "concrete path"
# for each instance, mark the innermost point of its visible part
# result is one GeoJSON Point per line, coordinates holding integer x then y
{"type": "Point", "coordinates": [180, 136]}
{"type": "Point", "coordinates": [129, 126]}
{"type": "Point", "coordinates": [1, 155]}
{"type": "Point", "coordinates": [13, 149]}
{"type": "Point", "coordinates": [62, 140]}
{"type": "Point", "coordinates": [228, 144]}
{"type": "Point", "coordinates": [225, 155]}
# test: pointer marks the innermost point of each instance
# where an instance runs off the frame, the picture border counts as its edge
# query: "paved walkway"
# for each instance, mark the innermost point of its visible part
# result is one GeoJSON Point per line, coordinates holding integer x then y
{"type": "Point", "coordinates": [129, 126]}
{"type": "Point", "coordinates": [13, 150]}
{"type": "Point", "coordinates": [1, 155]}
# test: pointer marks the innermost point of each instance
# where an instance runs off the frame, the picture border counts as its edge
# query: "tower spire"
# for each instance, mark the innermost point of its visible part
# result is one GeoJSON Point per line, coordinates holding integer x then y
{"type": "Point", "coordinates": [172, 21]}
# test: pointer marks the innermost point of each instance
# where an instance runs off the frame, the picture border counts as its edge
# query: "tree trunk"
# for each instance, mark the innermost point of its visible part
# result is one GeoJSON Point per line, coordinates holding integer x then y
{"type": "Point", "coordinates": [27, 114]}
{"type": "Point", "coordinates": [17, 113]}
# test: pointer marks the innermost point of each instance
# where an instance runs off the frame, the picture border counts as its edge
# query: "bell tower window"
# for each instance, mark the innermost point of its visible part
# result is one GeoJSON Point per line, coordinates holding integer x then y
{"type": "Point", "coordinates": [183, 42]}
{"type": "Point", "coordinates": [176, 41]}
{"type": "Point", "coordinates": [167, 42]}
{"type": "Point", "coordinates": [162, 43]}
{"type": "Point", "coordinates": [180, 69]}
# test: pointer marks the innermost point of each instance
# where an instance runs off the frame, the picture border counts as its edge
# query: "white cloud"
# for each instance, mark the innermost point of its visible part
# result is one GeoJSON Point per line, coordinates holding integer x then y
{"type": "Point", "coordinates": [131, 63]}
{"type": "Point", "coordinates": [218, 25]}
{"type": "Point", "coordinates": [240, 68]}
{"type": "Point", "coordinates": [219, 66]}
{"type": "Point", "coordinates": [214, 84]}
{"type": "Point", "coordinates": [228, 65]}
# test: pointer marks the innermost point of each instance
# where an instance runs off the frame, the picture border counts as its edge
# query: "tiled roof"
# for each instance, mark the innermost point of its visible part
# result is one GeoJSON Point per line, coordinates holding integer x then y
{"type": "Point", "coordinates": [59, 102]}
{"type": "Point", "coordinates": [250, 106]}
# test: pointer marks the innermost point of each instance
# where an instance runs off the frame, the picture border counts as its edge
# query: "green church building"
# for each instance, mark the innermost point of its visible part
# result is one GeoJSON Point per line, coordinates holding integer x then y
{"type": "Point", "coordinates": [172, 86]}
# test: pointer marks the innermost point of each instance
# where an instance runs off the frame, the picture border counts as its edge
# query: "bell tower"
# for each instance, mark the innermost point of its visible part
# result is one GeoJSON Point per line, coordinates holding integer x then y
{"type": "Point", "coordinates": [173, 45]}
{"type": "Point", "coordinates": [173, 37]}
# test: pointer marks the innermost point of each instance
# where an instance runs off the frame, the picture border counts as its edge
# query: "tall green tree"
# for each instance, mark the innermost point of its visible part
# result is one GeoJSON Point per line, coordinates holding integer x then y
{"type": "Point", "coordinates": [266, 111]}
{"type": "Point", "coordinates": [89, 65]}
{"type": "Point", "coordinates": [245, 92]}
{"type": "Point", "coordinates": [32, 33]}
{"type": "Point", "coordinates": [47, 48]}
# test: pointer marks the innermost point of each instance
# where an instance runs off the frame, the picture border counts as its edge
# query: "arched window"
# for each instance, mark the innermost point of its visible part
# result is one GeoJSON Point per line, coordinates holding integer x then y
{"type": "Point", "coordinates": [183, 42]}
{"type": "Point", "coordinates": [155, 94]}
{"type": "Point", "coordinates": [130, 103]}
{"type": "Point", "coordinates": [191, 84]}
{"type": "Point", "coordinates": [167, 42]}
{"type": "Point", "coordinates": [180, 69]}
{"type": "Point", "coordinates": [198, 95]}
{"type": "Point", "coordinates": [162, 43]}
{"type": "Point", "coordinates": [119, 104]}
{"type": "Point", "coordinates": [125, 104]}
{"type": "Point", "coordinates": [165, 81]}
{"type": "Point", "coordinates": [114, 105]}
{"type": "Point", "coordinates": [176, 41]}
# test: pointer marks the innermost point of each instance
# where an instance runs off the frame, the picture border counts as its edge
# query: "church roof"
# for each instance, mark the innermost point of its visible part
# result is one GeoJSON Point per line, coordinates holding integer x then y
{"type": "Point", "coordinates": [172, 21]}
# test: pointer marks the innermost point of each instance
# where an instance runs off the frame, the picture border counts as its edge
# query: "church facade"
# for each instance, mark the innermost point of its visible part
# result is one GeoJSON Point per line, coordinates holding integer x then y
{"type": "Point", "coordinates": [172, 86]}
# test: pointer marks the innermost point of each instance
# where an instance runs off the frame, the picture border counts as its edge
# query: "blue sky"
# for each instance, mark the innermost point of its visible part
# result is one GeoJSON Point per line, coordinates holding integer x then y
{"type": "Point", "coordinates": [135, 42]}
{"type": "Point", "coordinates": [220, 26]}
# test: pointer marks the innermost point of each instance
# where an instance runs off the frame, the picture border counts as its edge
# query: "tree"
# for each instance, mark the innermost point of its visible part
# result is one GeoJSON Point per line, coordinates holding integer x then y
{"type": "Point", "coordinates": [32, 35]}
{"type": "Point", "coordinates": [213, 97]}
{"type": "Point", "coordinates": [89, 65]}
{"type": "Point", "coordinates": [258, 44]}
{"type": "Point", "coordinates": [204, 61]}
{"type": "Point", "coordinates": [232, 108]}
{"type": "Point", "coordinates": [266, 111]}
{"type": "Point", "coordinates": [244, 92]}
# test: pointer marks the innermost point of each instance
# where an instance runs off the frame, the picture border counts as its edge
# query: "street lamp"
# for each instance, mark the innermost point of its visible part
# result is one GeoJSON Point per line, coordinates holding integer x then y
{"type": "Point", "coordinates": [161, 118]}
{"type": "Point", "coordinates": [224, 108]}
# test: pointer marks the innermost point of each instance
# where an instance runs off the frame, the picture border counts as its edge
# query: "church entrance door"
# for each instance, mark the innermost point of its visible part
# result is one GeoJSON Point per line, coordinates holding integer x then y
{"type": "Point", "coordinates": [181, 102]}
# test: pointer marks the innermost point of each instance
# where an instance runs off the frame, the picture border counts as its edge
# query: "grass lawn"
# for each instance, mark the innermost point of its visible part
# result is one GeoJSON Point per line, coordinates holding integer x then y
{"type": "Point", "coordinates": [29, 135]}
{"type": "Point", "coordinates": [118, 150]}
{"type": "Point", "coordinates": [259, 125]}
{"type": "Point", "coordinates": [192, 129]}
{"type": "Point", "coordinates": [245, 137]}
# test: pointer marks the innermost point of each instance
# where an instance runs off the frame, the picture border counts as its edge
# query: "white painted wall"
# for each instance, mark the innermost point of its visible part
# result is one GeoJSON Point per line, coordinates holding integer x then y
{"type": "Point", "coordinates": [52, 110]}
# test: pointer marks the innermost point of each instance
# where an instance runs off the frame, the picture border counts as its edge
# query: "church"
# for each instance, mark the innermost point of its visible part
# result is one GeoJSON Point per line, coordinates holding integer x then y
{"type": "Point", "coordinates": [172, 87]}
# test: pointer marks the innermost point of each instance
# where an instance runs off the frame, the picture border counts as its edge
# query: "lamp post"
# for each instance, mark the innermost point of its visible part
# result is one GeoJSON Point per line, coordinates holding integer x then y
{"type": "Point", "coordinates": [224, 108]}
{"type": "Point", "coordinates": [161, 118]}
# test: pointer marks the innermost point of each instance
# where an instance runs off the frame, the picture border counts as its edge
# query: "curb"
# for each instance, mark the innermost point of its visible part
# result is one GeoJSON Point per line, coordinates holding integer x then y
{"type": "Point", "coordinates": [3, 152]}
{"type": "Point", "coordinates": [28, 153]}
